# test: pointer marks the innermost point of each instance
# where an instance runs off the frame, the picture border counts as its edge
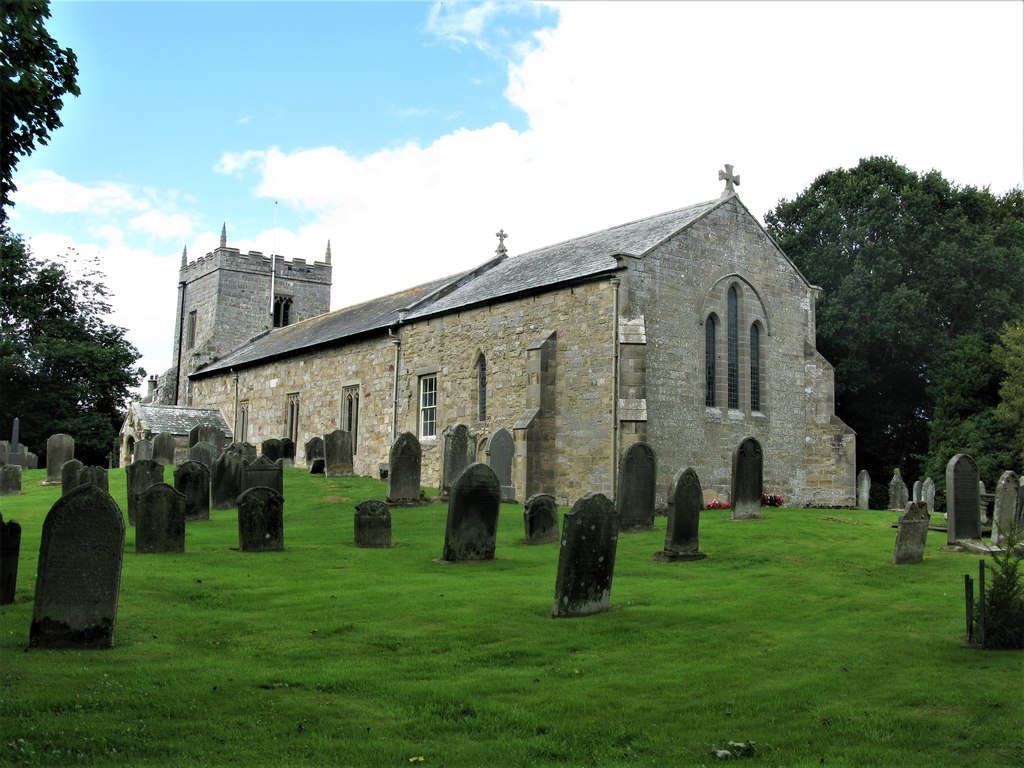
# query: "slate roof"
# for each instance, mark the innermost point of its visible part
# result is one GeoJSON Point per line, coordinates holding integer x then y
{"type": "Point", "coordinates": [576, 260]}
{"type": "Point", "coordinates": [177, 419]}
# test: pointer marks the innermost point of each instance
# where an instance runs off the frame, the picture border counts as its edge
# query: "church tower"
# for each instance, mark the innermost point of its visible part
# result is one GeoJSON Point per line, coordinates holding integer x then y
{"type": "Point", "coordinates": [226, 298]}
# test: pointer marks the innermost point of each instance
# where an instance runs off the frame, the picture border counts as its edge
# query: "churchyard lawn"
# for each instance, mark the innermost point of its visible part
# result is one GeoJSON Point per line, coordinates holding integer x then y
{"type": "Point", "coordinates": [796, 633]}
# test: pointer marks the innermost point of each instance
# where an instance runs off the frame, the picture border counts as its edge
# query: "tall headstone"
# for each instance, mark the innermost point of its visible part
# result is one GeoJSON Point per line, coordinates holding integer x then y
{"type": "Point", "coordinates": [271, 449]}
{"type": "Point", "coordinates": [985, 501]}
{"type": "Point", "coordinates": [78, 575]}
{"type": "Point", "coordinates": [457, 455]}
{"type": "Point", "coordinates": [69, 479]}
{"type": "Point", "coordinates": [747, 480]}
{"type": "Point", "coordinates": [143, 450]}
{"type": "Point", "coordinates": [928, 493]}
{"type": "Point", "coordinates": [94, 476]}
{"type": "Point", "coordinates": [141, 474]}
{"type": "Point", "coordinates": [686, 499]}
{"type": "Point", "coordinates": [338, 453]}
{"type": "Point", "coordinates": [10, 551]}
{"type": "Point", "coordinates": [10, 480]}
{"type": "Point", "coordinates": [5, 448]}
{"type": "Point", "coordinates": [501, 452]}
{"type": "Point", "coordinates": [1005, 505]}
{"type": "Point", "coordinates": [28, 459]}
{"type": "Point", "coordinates": [586, 560]}
{"type": "Point", "coordinates": [314, 449]}
{"type": "Point", "coordinates": [963, 501]}
{"type": "Point", "coordinates": [261, 520]}
{"type": "Point", "coordinates": [192, 480]}
{"type": "Point", "coordinates": [863, 490]}
{"type": "Point", "coordinates": [226, 479]}
{"type": "Point", "coordinates": [14, 452]}
{"type": "Point", "coordinates": [404, 466]}
{"type": "Point", "coordinates": [205, 453]}
{"type": "Point", "coordinates": [59, 448]}
{"type": "Point", "coordinates": [540, 518]}
{"type": "Point", "coordinates": [163, 448]}
{"type": "Point", "coordinates": [898, 496]}
{"type": "Point", "coordinates": [288, 451]}
{"type": "Point", "coordinates": [373, 524]}
{"type": "Point", "coordinates": [472, 515]}
{"type": "Point", "coordinates": [160, 520]}
{"type": "Point", "coordinates": [915, 494]}
{"type": "Point", "coordinates": [911, 533]}
{"type": "Point", "coordinates": [637, 482]}
{"type": "Point", "coordinates": [263, 473]}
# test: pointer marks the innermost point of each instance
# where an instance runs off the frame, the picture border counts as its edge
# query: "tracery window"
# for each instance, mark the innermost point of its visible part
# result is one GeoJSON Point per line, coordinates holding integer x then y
{"type": "Point", "coordinates": [732, 313]}
{"type": "Point", "coordinates": [710, 341]}
{"type": "Point", "coordinates": [481, 388]}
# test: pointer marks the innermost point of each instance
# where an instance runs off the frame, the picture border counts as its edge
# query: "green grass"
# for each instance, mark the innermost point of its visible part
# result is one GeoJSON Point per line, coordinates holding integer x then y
{"type": "Point", "coordinates": [796, 632]}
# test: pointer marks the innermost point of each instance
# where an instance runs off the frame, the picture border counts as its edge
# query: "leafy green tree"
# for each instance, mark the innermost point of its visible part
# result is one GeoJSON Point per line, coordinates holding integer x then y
{"type": "Point", "coordinates": [35, 75]}
{"type": "Point", "coordinates": [1009, 352]}
{"type": "Point", "coordinates": [907, 262]}
{"type": "Point", "coordinates": [63, 367]}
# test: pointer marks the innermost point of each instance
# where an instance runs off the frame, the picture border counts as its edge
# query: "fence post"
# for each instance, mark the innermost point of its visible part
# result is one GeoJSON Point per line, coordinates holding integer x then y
{"type": "Point", "coordinates": [981, 602]}
{"type": "Point", "coordinates": [969, 599]}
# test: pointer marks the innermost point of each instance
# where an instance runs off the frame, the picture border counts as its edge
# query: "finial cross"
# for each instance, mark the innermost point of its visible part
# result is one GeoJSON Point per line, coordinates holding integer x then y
{"type": "Point", "coordinates": [500, 234]}
{"type": "Point", "coordinates": [730, 181]}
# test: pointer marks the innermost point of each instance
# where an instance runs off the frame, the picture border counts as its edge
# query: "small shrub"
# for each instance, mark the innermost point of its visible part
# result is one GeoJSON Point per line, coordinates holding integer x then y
{"type": "Point", "coordinates": [1004, 597]}
{"type": "Point", "coordinates": [771, 500]}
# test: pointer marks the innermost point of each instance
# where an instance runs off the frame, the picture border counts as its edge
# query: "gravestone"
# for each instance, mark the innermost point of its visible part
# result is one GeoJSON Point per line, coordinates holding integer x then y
{"type": "Point", "coordinates": [192, 480]}
{"type": "Point", "coordinates": [586, 560]}
{"type": "Point", "coordinates": [94, 476]}
{"type": "Point", "coordinates": [206, 433]}
{"type": "Point", "coordinates": [318, 466]}
{"type": "Point", "coordinates": [226, 479]}
{"type": "Point", "coordinates": [10, 551]}
{"type": "Point", "coordinates": [271, 449]}
{"type": "Point", "coordinates": [373, 524]}
{"type": "Point", "coordinates": [139, 475]}
{"type": "Point", "coordinates": [246, 450]}
{"type": "Point", "coordinates": [69, 479]}
{"type": "Point", "coordinates": [10, 480]}
{"type": "Point", "coordinates": [338, 453]}
{"type": "Point", "coordinates": [928, 493]}
{"type": "Point", "coordinates": [160, 520]}
{"type": "Point", "coordinates": [686, 499]}
{"type": "Point", "coordinates": [911, 533]}
{"type": "Point", "coordinates": [261, 520]}
{"type": "Point", "coordinates": [635, 494]}
{"type": "Point", "coordinates": [540, 518]}
{"type": "Point", "coordinates": [1005, 505]}
{"type": "Point", "coordinates": [472, 516]}
{"type": "Point", "coordinates": [457, 455]}
{"type": "Point", "coordinates": [29, 459]}
{"type": "Point", "coordinates": [963, 502]}
{"type": "Point", "coordinates": [263, 473]}
{"type": "Point", "coordinates": [59, 448]}
{"type": "Point", "coordinates": [314, 449]}
{"type": "Point", "coordinates": [916, 493]}
{"type": "Point", "coordinates": [78, 574]}
{"type": "Point", "coordinates": [163, 448]}
{"type": "Point", "coordinates": [501, 452]}
{"type": "Point", "coordinates": [143, 450]}
{"type": "Point", "coordinates": [863, 490]}
{"type": "Point", "coordinates": [205, 453]}
{"type": "Point", "coordinates": [404, 465]}
{"type": "Point", "coordinates": [288, 451]}
{"type": "Point", "coordinates": [985, 501]}
{"type": "Point", "coordinates": [898, 496]}
{"type": "Point", "coordinates": [747, 480]}
{"type": "Point", "coordinates": [5, 448]}
{"type": "Point", "coordinates": [15, 449]}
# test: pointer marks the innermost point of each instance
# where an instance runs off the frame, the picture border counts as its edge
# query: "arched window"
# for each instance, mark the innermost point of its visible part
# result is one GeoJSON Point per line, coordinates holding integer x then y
{"type": "Point", "coordinates": [755, 368]}
{"type": "Point", "coordinates": [350, 413]}
{"type": "Point", "coordinates": [481, 388]}
{"type": "Point", "coordinates": [282, 311]}
{"type": "Point", "coordinates": [734, 357]}
{"type": "Point", "coordinates": [709, 361]}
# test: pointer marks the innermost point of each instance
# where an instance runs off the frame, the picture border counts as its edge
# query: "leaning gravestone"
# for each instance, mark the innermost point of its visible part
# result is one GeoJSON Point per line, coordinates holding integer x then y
{"type": "Point", "coordinates": [263, 473]}
{"type": "Point", "coordinates": [314, 449]}
{"type": "Point", "coordinates": [94, 476]}
{"type": "Point", "coordinates": [1005, 505]}
{"type": "Point", "coordinates": [163, 448]}
{"type": "Point", "coordinates": [338, 453]}
{"type": "Point", "coordinates": [261, 520]}
{"type": "Point", "coordinates": [69, 475]}
{"type": "Point", "coordinates": [457, 455]}
{"type": "Point", "coordinates": [747, 480]}
{"type": "Point", "coordinates": [501, 451]}
{"type": "Point", "coordinates": [911, 533]}
{"type": "Point", "coordinates": [928, 493]}
{"type": "Point", "coordinates": [141, 474]}
{"type": "Point", "coordinates": [635, 495]}
{"type": "Point", "coordinates": [963, 501]}
{"type": "Point", "coordinates": [192, 479]}
{"type": "Point", "coordinates": [143, 450]}
{"type": "Point", "coordinates": [540, 518]}
{"type": "Point", "coordinates": [205, 453]}
{"type": "Point", "coordinates": [10, 480]}
{"type": "Point", "coordinates": [226, 479]}
{"type": "Point", "coordinates": [898, 496]}
{"type": "Point", "coordinates": [404, 466]}
{"type": "Point", "coordinates": [373, 524]}
{"type": "Point", "coordinates": [686, 499]}
{"type": "Point", "coordinates": [288, 451]}
{"type": "Point", "coordinates": [160, 520]}
{"type": "Point", "coordinates": [271, 449]}
{"type": "Point", "coordinates": [78, 574]}
{"type": "Point", "coordinates": [586, 560]}
{"type": "Point", "coordinates": [863, 490]}
{"type": "Point", "coordinates": [472, 515]}
{"type": "Point", "coordinates": [10, 551]}
{"type": "Point", "coordinates": [59, 448]}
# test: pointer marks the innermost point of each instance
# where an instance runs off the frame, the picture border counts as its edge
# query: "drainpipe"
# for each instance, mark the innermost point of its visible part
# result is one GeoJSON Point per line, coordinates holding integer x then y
{"type": "Point", "coordinates": [394, 386]}
{"type": "Point", "coordinates": [615, 381]}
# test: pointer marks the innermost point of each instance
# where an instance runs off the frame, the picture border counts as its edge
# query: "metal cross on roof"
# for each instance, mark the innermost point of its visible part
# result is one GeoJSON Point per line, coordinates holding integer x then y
{"type": "Point", "coordinates": [729, 180]}
{"type": "Point", "coordinates": [501, 249]}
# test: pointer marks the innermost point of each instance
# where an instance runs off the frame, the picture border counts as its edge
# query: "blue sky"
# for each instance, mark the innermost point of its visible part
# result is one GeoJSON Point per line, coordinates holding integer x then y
{"type": "Point", "coordinates": [407, 134]}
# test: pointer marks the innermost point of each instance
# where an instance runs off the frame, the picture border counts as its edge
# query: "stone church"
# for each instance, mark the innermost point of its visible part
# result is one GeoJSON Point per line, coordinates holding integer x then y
{"type": "Point", "coordinates": [690, 330]}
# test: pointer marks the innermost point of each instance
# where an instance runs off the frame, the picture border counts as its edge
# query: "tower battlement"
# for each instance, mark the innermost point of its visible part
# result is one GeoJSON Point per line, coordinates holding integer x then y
{"type": "Point", "coordinates": [255, 263]}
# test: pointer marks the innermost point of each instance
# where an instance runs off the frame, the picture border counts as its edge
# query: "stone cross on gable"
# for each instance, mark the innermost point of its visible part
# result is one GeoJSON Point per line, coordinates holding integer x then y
{"type": "Point", "coordinates": [501, 250]}
{"type": "Point", "coordinates": [729, 179]}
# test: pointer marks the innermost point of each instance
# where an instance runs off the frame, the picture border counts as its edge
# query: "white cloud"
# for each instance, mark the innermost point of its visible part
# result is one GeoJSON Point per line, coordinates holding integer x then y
{"type": "Point", "coordinates": [235, 163]}
{"type": "Point", "coordinates": [53, 193]}
{"type": "Point", "coordinates": [165, 226]}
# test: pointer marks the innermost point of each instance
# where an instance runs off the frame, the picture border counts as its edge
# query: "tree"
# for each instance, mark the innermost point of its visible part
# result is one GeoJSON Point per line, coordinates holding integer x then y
{"type": "Point", "coordinates": [907, 262]}
{"type": "Point", "coordinates": [63, 367]}
{"type": "Point", "coordinates": [1009, 352]}
{"type": "Point", "coordinates": [35, 75]}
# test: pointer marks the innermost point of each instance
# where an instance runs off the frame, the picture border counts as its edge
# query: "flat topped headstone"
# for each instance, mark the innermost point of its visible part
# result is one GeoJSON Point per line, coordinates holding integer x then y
{"type": "Point", "coordinates": [59, 449]}
{"type": "Point", "coordinates": [192, 479]}
{"type": "Point", "coordinates": [94, 476]}
{"type": "Point", "coordinates": [911, 534]}
{"type": "Point", "coordinates": [141, 474]}
{"type": "Point", "coordinates": [963, 499]}
{"type": "Point", "coordinates": [372, 523]}
{"type": "Point", "coordinates": [686, 500]}
{"type": "Point", "coordinates": [501, 452]}
{"type": "Point", "coordinates": [338, 453]}
{"type": "Point", "coordinates": [747, 480]}
{"type": "Point", "coordinates": [863, 490]}
{"type": "Point", "coordinates": [898, 495]}
{"type": "Point", "coordinates": [472, 515]}
{"type": "Point", "coordinates": [10, 552]}
{"type": "Point", "coordinates": [78, 576]}
{"type": "Point", "coordinates": [540, 519]}
{"type": "Point", "coordinates": [586, 560]}
{"type": "Point", "coordinates": [143, 451]}
{"type": "Point", "coordinates": [637, 482]}
{"type": "Point", "coordinates": [160, 520]}
{"type": "Point", "coordinates": [10, 480]}
{"type": "Point", "coordinates": [261, 520]}
{"type": "Point", "coordinates": [404, 466]}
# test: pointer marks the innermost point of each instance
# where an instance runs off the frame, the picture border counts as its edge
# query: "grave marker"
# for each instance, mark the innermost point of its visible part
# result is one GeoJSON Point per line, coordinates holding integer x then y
{"type": "Point", "coordinates": [272, 449]}
{"type": "Point", "coordinates": [314, 449]}
{"type": "Point", "coordinates": [635, 495]}
{"type": "Point", "coordinates": [261, 520]}
{"type": "Point", "coordinates": [404, 466]}
{"type": "Point", "coordinates": [898, 496]}
{"type": "Point", "coordinates": [501, 451]}
{"type": "Point", "coordinates": [373, 524]}
{"type": "Point", "coordinates": [911, 534]}
{"type": "Point", "coordinates": [457, 455]}
{"type": "Point", "coordinates": [338, 453]}
{"type": "Point", "coordinates": [192, 480]}
{"type": "Point", "coordinates": [686, 500]}
{"type": "Point", "coordinates": [59, 449]}
{"type": "Point", "coordinates": [863, 490]}
{"type": "Point", "coordinates": [263, 473]}
{"type": "Point", "coordinates": [139, 475]}
{"type": "Point", "coordinates": [10, 551]}
{"type": "Point", "coordinates": [160, 520]}
{"type": "Point", "coordinates": [540, 518]}
{"type": "Point", "coordinates": [747, 480]}
{"type": "Point", "coordinates": [963, 501]}
{"type": "Point", "coordinates": [226, 479]}
{"type": "Point", "coordinates": [928, 493]}
{"type": "Point", "coordinates": [10, 480]}
{"type": "Point", "coordinates": [163, 448]}
{"type": "Point", "coordinates": [69, 475]}
{"type": "Point", "coordinates": [143, 451]}
{"type": "Point", "coordinates": [472, 516]}
{"type": "Point", "coordinates": [586, 560]}
{"type": "Point", "coordinates": [1005, 505]}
